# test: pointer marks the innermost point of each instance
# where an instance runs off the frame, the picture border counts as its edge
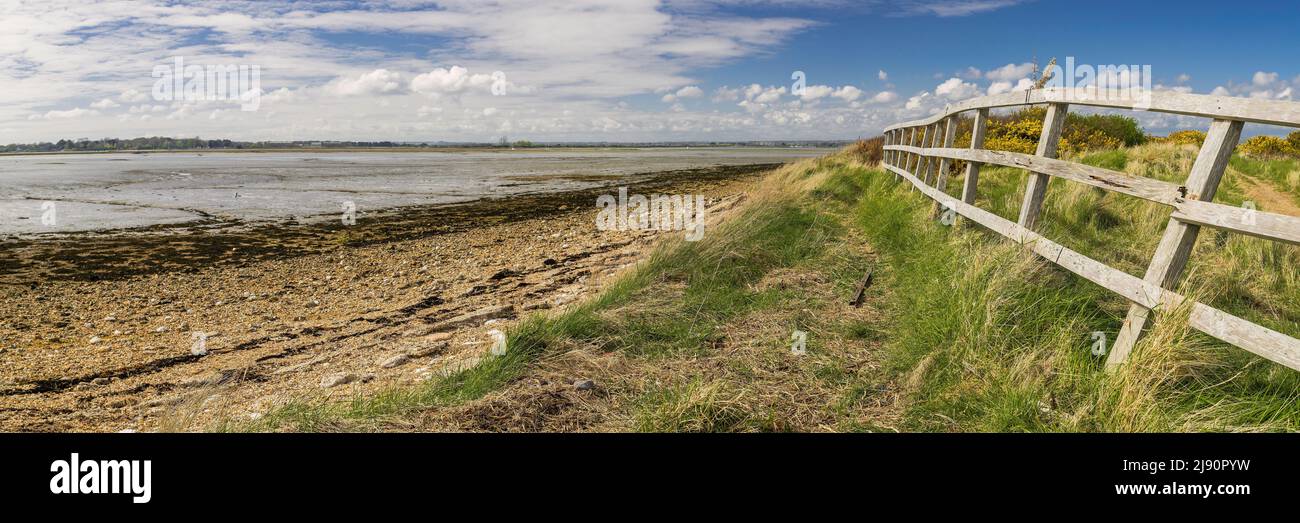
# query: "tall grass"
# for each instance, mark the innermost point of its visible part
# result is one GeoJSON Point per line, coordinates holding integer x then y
{"type": "Point", "coordinates": [988, 337]}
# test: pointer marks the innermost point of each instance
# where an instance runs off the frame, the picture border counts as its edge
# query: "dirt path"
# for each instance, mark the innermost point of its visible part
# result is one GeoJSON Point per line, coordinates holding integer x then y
{"type": "Point", "coordinates": [334, 319]}
{"type": "Point", "coordinates": [1269, 198]}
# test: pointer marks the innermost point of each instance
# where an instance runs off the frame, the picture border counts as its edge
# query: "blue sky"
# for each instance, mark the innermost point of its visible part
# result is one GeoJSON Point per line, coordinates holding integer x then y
{"type": "Point", "coordinates": [627, 70]}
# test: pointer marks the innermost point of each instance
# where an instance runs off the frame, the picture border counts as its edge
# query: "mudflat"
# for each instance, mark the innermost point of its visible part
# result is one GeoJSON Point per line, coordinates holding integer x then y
{"type": "Point", "coordinates": [178, 326]}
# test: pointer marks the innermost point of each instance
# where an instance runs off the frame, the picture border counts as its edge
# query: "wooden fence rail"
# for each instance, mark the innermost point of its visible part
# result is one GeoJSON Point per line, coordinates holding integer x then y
{"type": "Point", "coordinates": [913, 152]}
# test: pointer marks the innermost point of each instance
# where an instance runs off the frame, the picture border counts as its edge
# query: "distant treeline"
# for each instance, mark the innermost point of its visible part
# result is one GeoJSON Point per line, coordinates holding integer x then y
{"type": "Point", "coordinates": [164, 143]}
{"type": "Point", "coordinates": [168, 143]}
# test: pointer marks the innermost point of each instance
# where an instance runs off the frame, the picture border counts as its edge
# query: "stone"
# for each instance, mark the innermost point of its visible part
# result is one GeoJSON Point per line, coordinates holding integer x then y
{"type": "Point", "coordinates": [94, 340]}
{"type": "Point", "coordinates": [584, 384]}
{"type": "Point", "coordinates": [395, 361]}
{"type": "Point", "coordinates": [427, 349]}
{"type": "Point", "coordinates": [477, 316]}
{"type": "Point", "coordinates": [335, 380]}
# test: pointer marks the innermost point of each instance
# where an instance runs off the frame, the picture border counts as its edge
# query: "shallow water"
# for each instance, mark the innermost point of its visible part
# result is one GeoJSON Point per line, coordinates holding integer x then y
{"type": "Point", "coordinates": [121, 190]}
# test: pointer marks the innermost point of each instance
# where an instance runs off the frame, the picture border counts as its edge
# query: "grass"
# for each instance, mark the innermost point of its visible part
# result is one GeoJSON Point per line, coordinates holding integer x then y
{"type": "Point", "coordinates": [970, 332]}
{"type": "Point", "coordinates": [992, 339]}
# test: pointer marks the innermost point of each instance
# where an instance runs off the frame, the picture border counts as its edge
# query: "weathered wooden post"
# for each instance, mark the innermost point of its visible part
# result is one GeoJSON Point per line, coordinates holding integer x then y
{"type": "Point", "coordinates": [941, 181]}
{"type": "Point", "coordinates": [973, 168]}
{"type": "Point", "coordinates": [1047, 143]}
{"type": "Point", "coordinates": [1179, 237]}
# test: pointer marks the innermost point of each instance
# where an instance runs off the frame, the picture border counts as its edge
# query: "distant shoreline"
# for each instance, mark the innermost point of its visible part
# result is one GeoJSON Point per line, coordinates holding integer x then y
{"type": "Point", "coordinates": [438, 148]}
{"type": "Point", "coordinates": [119, 253]}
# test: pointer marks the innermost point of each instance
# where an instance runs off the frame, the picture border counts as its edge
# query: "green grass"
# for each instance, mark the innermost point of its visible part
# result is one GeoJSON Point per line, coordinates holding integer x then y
{"type": "Point", "coordinates": [991, 339]}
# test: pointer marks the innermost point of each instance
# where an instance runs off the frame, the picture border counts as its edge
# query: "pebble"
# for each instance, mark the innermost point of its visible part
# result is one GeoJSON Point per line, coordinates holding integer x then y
{"type": "Point", "coordinates": [584, 384]}
{"type": "Point", "coordinates": [94, 340]}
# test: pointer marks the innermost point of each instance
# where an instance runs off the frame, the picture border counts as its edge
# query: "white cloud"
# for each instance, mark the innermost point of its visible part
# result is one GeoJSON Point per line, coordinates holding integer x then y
{"type": "Point", "coordinates": [813, 92]}
{"type": "Point", "coordinates": [690, 91]}
{"type": "Point", "coordinates": [455, 80]}
{"type": "Point", "coordinates": [1184, 78]}
{"type": "Point", "coordinates": [956, 89]}
{"type": "Point", "coordinates": [379, 81]}
{"type": "Point", "coordinates": [75, 112]}
{"type": "Point", "coordinates": [1220, 91]}
{"type": "Point", "coordinates": [916, 102]}
{"type": "Point", "coordinates": [726, 94]}
{"type": "Point", "coordinates": [884, 97]}
{"type": "Point", "coordinates": [132, 96]}
{"type": "Point", "coordinates": [882, 75]}
{"type": "Point", "coordinates": [1023, 84]}
{"type": "Point", "coordinates": [106, 103]}
{"type": "Point", "coordinates": [951, 8]}
{"type": "Point", "coordinates": [1010, 72]}
{"type": "Point", "coordinates": [763, 95]}
{"type": "Point", "coordinates": [1262, 78]}
{"type": "Point", "coordinates": [847, 93]}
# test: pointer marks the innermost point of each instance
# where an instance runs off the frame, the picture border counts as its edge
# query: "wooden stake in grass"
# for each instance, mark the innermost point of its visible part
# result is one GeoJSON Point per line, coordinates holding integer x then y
{"type": "Point", "coordinates": [862, 288]}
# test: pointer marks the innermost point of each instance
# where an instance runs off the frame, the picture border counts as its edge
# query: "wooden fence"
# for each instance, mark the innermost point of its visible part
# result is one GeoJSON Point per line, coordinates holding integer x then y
{"type": "Point", "coordinates": [914, 152]}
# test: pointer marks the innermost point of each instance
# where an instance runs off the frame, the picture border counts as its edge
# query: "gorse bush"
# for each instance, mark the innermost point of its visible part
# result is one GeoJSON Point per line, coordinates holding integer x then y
{"type": "Point", "coordinates": [1271, 146]}
{"type": "Point", "coordinates": [1019, 132]}
{"type": "Point", "coordinates": [1188, 137]}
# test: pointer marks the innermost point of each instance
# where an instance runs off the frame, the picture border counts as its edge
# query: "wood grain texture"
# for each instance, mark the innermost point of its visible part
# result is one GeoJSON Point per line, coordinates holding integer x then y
{"type": "Point", "coordinates": [1146, 188]}
{"type": "Point", "coordinates": [979, 127]}
{"type": "Point", "coordinates": [1036, 189]}
{"type": "Point", "coordinates": [941, 179]}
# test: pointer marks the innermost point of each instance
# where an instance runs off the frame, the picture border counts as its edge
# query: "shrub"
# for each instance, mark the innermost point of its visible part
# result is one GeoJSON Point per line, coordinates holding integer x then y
{"type": "Point", "coordinates": [1294, 140]}
{"type": "Point", "coordinates": [1186, 137]}
{"type": "Point", "coordinates": [868, 151]}
{"type": "Point", "coordinates": [1117, 128]}
{"type": "Point", "coordinates": [1019, 132]}
{"type": "Point", "coordinates": [1268, 147]}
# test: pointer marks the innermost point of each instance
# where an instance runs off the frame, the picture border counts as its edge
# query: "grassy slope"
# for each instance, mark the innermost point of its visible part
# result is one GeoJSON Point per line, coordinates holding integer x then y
{"type": "Point", "coordinates": [973, 334]}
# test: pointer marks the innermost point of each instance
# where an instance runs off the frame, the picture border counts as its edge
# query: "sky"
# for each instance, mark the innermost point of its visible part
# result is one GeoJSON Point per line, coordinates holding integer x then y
{"type": "Point", "coordinates": [593, 70]}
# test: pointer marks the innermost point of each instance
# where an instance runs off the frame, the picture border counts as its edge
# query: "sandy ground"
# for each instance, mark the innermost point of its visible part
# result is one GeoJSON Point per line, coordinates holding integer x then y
{"type": "Point", "coordinates": [99, 333]}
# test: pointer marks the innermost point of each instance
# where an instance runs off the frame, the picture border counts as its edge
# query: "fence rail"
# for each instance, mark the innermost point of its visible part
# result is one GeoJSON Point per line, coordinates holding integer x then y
{"type": "Point", "coordinates": [913, 152]}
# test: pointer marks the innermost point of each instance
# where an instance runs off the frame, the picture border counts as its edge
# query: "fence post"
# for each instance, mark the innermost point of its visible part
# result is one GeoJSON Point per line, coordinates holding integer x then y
{"type": "Point", "coordinates": [932, 140]}
{"type": "Point", "coordinates": [973, 168]}
{"type": "Point", "coordinates": [1047, 143]}
{"type": "Point", "coordinates": [915, 161]}
{"type": "Point", "coordinates": [895, 140]}
{"type": "Point", "coordinates": [941, 182]}
{"type": "Point", "coordinates": [891, 138]}
{"type": "Point", "coordinates": [1176, 245]}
